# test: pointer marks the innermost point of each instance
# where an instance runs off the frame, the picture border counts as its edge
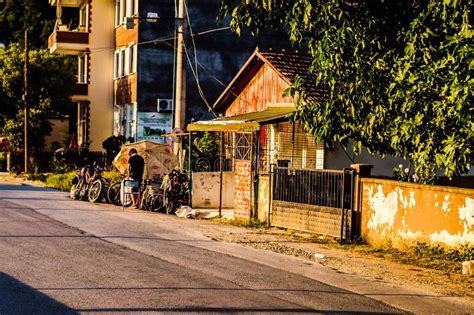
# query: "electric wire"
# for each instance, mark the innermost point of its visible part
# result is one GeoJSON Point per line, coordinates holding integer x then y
{"type": "Point", "coordinates": [195, 71]}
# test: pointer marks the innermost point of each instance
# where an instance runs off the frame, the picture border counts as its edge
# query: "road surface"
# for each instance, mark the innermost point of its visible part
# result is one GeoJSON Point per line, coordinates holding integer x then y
{"type": "Point", "coordinates": [64, 256]}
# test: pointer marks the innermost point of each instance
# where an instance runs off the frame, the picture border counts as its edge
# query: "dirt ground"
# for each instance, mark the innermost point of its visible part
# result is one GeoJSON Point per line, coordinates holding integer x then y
{"type": "Point", "coordinates": [345, 259]}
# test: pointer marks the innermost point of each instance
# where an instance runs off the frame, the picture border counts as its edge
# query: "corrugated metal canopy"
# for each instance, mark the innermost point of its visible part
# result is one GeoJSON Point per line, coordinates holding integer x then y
{"type": "Point", "coordinates": [244, 122]}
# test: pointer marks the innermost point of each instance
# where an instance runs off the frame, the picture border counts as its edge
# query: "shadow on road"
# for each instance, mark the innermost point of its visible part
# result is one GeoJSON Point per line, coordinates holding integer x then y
{"type": "Point", "coordinates": [19, 298]}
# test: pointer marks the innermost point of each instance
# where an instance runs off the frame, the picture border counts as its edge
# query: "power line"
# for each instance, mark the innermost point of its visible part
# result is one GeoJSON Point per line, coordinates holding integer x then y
{"type": "Point", "coordinates": [196, 72]}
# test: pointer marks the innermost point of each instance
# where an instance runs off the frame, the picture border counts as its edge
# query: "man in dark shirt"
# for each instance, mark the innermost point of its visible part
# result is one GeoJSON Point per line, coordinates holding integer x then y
{"type": "Point", "coordinates": [136, 165]}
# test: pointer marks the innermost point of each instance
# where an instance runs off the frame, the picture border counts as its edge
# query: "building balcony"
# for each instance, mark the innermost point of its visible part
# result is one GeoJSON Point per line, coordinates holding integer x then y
{"type": "Point", "coordinates": [68, 42]}
{"type": "Point", "coordinates": [81, 92]}
{"type": "Point", "coordinates": [81, 89]}
{"type": "Point", "coordinates": [67, 3]}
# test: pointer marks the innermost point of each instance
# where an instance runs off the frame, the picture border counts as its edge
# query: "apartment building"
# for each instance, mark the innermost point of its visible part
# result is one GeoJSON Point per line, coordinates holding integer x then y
{"type": "Point", "coordinates": [126, 70]}
{"type": "Point", "coordinates": [91, 39]}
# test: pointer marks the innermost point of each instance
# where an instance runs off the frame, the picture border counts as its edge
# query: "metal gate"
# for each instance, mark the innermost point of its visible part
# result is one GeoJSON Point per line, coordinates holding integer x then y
{"type": "Point", "coordinates": [316, 201]}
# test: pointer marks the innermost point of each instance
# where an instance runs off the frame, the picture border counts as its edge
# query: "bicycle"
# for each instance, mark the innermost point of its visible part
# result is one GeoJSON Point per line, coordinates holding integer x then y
{"type": "Point", "coordinates": [153, 195]}
{"type": "Point", "coordinates": [98, 186]}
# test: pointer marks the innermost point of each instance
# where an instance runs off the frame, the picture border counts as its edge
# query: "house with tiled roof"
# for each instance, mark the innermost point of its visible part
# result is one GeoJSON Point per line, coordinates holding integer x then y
{"type": "Point", "coordinates": [257, 137]}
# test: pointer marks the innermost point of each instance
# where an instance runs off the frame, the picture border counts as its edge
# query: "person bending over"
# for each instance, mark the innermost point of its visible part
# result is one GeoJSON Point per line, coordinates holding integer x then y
{"type": "Point", "coordinates": [136, 165]}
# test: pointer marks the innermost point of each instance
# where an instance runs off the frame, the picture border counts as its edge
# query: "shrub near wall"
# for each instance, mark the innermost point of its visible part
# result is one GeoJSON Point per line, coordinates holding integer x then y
{"type": "Point", "coordinates": [403, 214]}
{"type": "Point", "coordinates": [60, 181]}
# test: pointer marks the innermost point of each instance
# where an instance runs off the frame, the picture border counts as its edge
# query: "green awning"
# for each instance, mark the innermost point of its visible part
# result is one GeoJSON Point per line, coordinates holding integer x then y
{"type": "Point", "coordinates": [243, 122]}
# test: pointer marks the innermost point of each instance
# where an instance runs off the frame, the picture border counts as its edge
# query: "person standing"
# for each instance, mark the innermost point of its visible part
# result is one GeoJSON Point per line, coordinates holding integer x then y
{"type": "Point", "coordinates": [136, 166]}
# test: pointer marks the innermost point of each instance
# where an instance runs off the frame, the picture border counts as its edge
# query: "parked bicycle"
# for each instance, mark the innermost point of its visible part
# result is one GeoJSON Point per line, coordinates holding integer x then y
{"type": "Point", "coordinates": [153, 195]}
{"type": "Point", "coordinates": [98, 186]}
{"type": "Point", "coordinates": [88, 184]}
{"type": "Point", "coordinates": [176, 188]}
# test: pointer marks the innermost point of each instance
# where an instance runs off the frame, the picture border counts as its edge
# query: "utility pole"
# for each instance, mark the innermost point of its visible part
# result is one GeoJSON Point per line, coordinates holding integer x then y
{"type": "Point", "coordinates": [25, 96]}
{"type": "Point", "coordinates": [181, 65]}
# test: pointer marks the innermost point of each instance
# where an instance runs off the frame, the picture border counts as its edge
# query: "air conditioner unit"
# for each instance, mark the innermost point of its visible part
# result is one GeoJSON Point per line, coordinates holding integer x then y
{"type": "Point", "coordinates": [164, 105]}
{"type": "Point", "coordinates": [128, 22]}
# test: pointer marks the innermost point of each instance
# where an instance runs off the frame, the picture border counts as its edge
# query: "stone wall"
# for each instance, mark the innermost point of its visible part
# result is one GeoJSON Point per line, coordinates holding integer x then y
{"type": "Point", "coordinates": [243, 189]}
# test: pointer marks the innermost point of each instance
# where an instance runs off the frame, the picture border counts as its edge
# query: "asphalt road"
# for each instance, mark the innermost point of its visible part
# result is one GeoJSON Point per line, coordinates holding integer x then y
{"type": "Point", "coordinates": [64, 256]}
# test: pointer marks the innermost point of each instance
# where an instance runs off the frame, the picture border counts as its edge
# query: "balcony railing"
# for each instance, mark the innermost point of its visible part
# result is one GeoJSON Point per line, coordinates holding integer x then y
{"type": "Point", "coordinates": [68, 42]}
{"type": "Point", "coordinates": [67, 3]}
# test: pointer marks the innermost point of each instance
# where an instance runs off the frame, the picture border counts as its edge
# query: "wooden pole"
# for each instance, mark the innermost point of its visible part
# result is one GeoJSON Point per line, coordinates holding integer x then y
{"type": "Point", "coordinates": [27, 109]}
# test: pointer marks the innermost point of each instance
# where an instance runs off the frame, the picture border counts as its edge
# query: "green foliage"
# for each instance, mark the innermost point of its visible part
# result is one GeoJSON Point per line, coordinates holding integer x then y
{"type": "Point", "coordinates": [37, 16]}
{"type": "Point", "coordinates": [208, 145]}
{"type": "Point", "coordinates": [39, 127]}
{"type": "Point", "coordinates": [396, 74]}
{"type": "Point", "coordinates": [51, 96]}
{"type": "Point", "coordinates": [112, 176]}
{"type": "Point", "coordinates": [113, 144]}
{"type": "Point", "coordinates": [47, 97]}
{"type": "Point", "coordinates": [60, 181]}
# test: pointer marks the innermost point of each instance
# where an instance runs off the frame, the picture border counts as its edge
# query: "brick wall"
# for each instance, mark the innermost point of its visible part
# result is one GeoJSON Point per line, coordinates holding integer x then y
{"type": "Point", "coordinates": [243, 189]}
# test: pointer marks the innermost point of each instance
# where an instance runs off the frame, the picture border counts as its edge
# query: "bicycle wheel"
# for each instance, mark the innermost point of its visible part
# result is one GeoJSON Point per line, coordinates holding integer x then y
{"type": "Point", "coordinates": [73, 193]}
{"type": "Point", "coordinates": [113, 194]}
{"type": "Point", "coordinates": [95, 191]}
{"type": "Point", "coordinates": [156, 203]}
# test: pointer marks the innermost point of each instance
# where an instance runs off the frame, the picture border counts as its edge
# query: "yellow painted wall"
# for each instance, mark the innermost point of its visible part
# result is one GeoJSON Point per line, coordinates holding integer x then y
{"type": "Point", "coordinates": [403, 213]}
{"type": "Point", "coordinates": [102, 46]}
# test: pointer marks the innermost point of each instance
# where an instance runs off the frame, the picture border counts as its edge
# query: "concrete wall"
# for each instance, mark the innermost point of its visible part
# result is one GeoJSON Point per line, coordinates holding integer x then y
{"type": "Point", "coordinates": [101, 45]}
{"type": "Point", "coordinates": [402, 213]}
{"type": "Point", "coordinates": [243, 189]}
{"type": "Point", "coordinates": [206, 187]}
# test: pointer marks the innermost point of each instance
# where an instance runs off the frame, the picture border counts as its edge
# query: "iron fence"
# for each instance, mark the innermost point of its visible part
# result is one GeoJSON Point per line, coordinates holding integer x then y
{"type": "Point", "coordinates": [313, 187]}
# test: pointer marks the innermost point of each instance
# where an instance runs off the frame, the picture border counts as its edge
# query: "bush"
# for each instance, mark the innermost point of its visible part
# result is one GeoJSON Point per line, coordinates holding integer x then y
{"type": "Point", "coordinates": [112, 176]}
{"type": "Point", "coordinates": [60, 181]}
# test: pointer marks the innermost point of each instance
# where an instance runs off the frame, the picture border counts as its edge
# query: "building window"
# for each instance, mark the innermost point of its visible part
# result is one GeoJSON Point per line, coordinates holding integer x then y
{"type": "Point", "coordinates": [123, 61]}
{"type": "Point", "coordinates": [130, 7]}
{"type": "Point", "coordinates": [132, 59]}
{"type": "Point", "coordinates": [82, 69]}
{"type": "Point", "coordinates": [84, 19]}
{"type": "Point", "coordinates": [116, 64]}
{"type": "Point", "coordinates": [82, 124]}
{"type": "Point", "coordinates": [117, 13]}
{"type": "Point", "coordinates": [120, 11]}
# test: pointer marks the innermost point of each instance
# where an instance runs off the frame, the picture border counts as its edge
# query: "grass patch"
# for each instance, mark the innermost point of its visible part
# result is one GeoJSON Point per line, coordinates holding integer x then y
{"type": "Point", "coordinates": [60, 181]}
{"type": "Point", "coordinates": [242, 223]}
{"type": "Point", "coordinates": [423, 255]}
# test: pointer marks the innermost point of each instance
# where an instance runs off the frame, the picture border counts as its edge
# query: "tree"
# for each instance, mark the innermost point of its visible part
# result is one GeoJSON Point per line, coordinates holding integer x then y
{"type": "Point", "coordinates": [388, 70]}
{"type": "Point", "coordinates": [51, 83]}
{"type": "Point", "coordinates": [16, 16]}
{"type": "Point", "coordinates": [39, 127]}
